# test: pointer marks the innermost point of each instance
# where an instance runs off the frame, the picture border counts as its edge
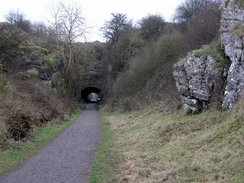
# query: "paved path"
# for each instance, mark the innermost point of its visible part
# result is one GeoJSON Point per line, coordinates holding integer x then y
{"type": "Point", "coordinates": [66, 159]}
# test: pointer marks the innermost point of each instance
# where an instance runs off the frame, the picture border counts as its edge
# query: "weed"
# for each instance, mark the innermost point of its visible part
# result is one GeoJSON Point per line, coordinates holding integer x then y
{"type": "Point", "coordinates": [144, 173]}
{"type": "Point", "coordinates": [32, 72]}
{"type": "Point", "coordinates": [4, 84]}
{"type": "Point", "coordinates": [4, 139]}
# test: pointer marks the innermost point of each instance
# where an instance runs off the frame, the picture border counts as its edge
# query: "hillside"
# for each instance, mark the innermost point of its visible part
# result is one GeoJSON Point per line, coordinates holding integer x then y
{"type": "Point", "coordinates": [28, 100]}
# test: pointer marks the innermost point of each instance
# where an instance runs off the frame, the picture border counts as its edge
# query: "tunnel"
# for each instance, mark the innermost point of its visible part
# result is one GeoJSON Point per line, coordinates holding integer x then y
{"type": "Point", "coordinates": [91, 94]}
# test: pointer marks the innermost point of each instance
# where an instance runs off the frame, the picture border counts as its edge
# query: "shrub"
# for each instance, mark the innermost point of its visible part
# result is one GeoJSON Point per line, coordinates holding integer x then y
{"type": "Point", "coordinates": [58, 83]}
{"type": "Point", "coordinates": [141, 69]}
{"type": "Point", "coordinates": [32, 72]}
{"type": "Point", "coordinates": [4, 139]}
{"type": "Point", "coordinates": [19, 125]}
{"type": "Point", "coordinates": [4, 84]}
{"type": "Point", "coordinates": [171, 46]}
{"type": "Point", "coordinates": [149, 78]}
{"type": "Point", "coordinates": [152, 27]}
{"type": "Point", "coordinates": [49, 62]}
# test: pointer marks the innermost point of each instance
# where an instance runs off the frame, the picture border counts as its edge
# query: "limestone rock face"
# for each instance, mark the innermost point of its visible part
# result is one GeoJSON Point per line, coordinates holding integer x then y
{"type": "Point", "coordinates": [198, 81]}
{"type": "Point", "coordinates": [232, 41]}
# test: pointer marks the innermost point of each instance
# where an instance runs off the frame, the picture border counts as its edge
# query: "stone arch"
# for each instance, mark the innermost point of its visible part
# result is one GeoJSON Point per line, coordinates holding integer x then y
{"type": "Point", "coordinates": [89, 90]}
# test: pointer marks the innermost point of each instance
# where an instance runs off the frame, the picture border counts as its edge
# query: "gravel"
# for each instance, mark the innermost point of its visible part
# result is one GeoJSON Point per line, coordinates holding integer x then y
{"type": "Point", "coordinates": [66, 159]}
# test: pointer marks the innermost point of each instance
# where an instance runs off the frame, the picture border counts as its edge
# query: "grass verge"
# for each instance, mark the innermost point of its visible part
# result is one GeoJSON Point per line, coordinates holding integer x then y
{"type": "Point", "coordinates": [171, 147]}
{"type": "Point", "coordinates": [12, 157]}
{"type": "Point", "coordinates": [105, 162]}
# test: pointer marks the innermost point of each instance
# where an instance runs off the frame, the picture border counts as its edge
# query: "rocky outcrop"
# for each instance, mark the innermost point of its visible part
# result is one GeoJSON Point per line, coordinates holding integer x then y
{"type": "Point", "coordinates": [44, 73]}
{"type": "Point", "coordinates": [232, 40]}
{"type": "Point", "coordinates": [198, 81]}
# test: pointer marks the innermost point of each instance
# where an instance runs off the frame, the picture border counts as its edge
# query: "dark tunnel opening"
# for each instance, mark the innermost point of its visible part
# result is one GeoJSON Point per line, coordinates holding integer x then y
{"type": "Point", "coordinates": [91, 95]}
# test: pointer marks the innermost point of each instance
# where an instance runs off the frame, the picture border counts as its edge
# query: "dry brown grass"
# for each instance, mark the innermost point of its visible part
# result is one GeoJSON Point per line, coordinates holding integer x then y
{"type": "Point", "coordinates": [28, 102]}
{"type": "Point", "coordinates": [238, 31]}
{"type": "Point", "coordinates": [157, 147]}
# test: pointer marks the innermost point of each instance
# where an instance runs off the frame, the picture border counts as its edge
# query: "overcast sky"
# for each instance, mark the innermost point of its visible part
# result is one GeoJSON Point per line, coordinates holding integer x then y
{"type": "Point", "coordinates": [94, 11]}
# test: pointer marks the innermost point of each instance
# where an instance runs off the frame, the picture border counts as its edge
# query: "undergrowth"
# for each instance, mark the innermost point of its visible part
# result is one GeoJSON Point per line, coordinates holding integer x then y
{"type": "Point", "coordinates": [149, 78]}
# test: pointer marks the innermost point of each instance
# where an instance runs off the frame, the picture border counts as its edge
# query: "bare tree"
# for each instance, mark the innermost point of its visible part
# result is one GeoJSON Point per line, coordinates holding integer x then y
{"type": "Point", "coordinates": [18, 19]}
{"type": "Point", "coordinates": [188, 9]}
{"type": "Point", "coordinates": [39, 29]}
{"type": "Point", "coordinates": [204, 27]}
{"type": "Point", "coordinates": [114, 28]}
{"type": "Point", "coordinates": [10, 39]}
{"type": "Point", "coordinates": [70, 27]}
{"type": "Point", "coordinates": [151, 27]}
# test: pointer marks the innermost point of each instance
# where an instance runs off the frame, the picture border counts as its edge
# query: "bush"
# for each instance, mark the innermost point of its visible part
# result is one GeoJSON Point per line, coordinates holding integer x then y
{"type": "Point", "coordinates": [149, 78]}
{"type": "Point", "coordinates": [152, 27]}
{"type": "Point", "coordinates": [171, 46]}
{"type": "Point", "coordinates": [140, 70]}
{"type": "Point", "coordinates": [58, 83]}
{"type": "Point", "coordinates": [49, 62]}
{"type": "Point", "coordinates": [4, 84]}
{"type": "Point", "coordinates": [32, 72]}
{"type": "Point", "coordinates": [19, 126]}
{"type": "Point", "coordinates": [4, 139]}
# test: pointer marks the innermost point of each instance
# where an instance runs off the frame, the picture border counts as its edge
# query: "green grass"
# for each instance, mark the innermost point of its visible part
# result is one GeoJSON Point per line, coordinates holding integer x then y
{"type": "Point", "coordinates": [214, 50]}
{"type": "Point", "coordinates": [17, 153]}
{"type": "Point", "coordinates": [153, 146]}
{"type": "Point", "coordinates": [106, 160]}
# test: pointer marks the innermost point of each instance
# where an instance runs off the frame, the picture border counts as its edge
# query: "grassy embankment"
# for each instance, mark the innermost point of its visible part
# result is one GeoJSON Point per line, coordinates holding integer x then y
{"type": "Point", "coordinates": [18, 152]}
{"type": "Point", "coordinates": [153, 146]}
{"type": "Point", "coordinates": [106, 160]}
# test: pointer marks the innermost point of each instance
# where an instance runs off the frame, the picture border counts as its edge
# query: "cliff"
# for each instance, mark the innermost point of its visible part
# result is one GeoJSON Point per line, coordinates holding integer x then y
{"type": "Point", "coordinates": [207, 78]}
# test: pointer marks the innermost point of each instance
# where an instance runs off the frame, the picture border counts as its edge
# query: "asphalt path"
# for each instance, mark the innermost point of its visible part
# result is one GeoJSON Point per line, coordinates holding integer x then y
{"type": "Point", "coordinates": [66, 159]}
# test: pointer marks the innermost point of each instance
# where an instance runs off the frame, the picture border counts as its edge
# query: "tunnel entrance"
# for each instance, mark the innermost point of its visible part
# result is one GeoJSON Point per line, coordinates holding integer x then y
{"type": "Point", "coordinates": [91, 95]}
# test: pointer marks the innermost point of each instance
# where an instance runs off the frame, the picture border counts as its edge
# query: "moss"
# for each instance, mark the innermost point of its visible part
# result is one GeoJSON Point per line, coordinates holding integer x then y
{"type": "Point", "coordinates": [222, 63]}
{"type": "Point", "coordinates": [240, 2]}
{"type": "Point", "coordinates": [213, 49]}
{"type": "Point", "coordinates": [238, 31]}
